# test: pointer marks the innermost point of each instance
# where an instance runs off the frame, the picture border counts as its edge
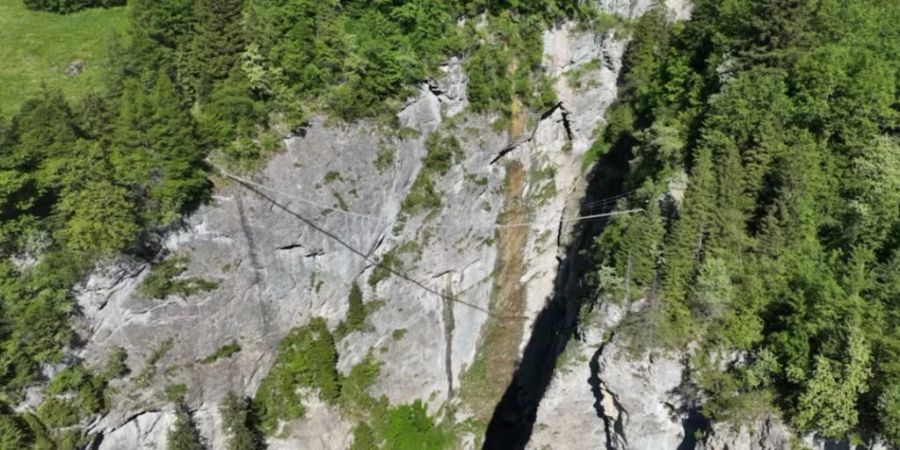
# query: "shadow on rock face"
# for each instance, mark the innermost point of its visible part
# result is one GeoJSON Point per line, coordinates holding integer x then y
{"type": "Point", "coordinates": [511, 425]}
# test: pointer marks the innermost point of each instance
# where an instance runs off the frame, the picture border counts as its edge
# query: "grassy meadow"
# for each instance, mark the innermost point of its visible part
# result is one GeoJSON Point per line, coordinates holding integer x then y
{"type": "Point", "coordinates": [36, 47]}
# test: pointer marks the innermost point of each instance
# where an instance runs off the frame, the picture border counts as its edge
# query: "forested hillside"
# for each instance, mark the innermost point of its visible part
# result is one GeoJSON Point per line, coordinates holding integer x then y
{"type": "Point", "coordinates": [782, 260]}
{"type": "Point", "coordinates": [778, 265]}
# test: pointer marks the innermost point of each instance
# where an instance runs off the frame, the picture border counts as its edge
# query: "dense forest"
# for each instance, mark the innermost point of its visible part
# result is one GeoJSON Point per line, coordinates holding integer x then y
{"type": "Point", "coordinates": [782, 260]}
{"type": "Point", "coordinates": [69, 6]}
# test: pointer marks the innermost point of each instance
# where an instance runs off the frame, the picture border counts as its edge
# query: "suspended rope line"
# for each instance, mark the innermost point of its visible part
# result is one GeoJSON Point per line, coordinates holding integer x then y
{"type": "Point", "coordinates": [367, 258]}
{"type": "Point", "coordinates": [619, 195]}
{"type": "Point", "coordinates": [572, 219]}
{"type": "Point", "coordinates": [612, 199]}
{"type": "Point", "coordinates": [533, 223]}
{"type": "Point", "coordinates": [247, 182]}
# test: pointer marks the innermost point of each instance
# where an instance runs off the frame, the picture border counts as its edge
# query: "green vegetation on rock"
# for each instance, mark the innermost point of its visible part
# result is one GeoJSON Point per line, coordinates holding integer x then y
{"type": "Point", "coordinates": [225, 351]}
{"type": "Point", "coordinates": [306, 359]}
{"type": "Point", "coordinates": [163, 280]}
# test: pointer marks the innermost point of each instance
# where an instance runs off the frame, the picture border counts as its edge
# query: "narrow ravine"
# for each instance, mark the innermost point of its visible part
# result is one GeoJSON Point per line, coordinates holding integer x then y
{"type": "Point", "coordinates": [511, 425]}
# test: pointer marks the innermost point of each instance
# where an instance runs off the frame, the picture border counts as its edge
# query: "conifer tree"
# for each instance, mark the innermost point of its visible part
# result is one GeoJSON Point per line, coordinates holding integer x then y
{"type": "Point", "coordinates": [218, 42]}
{"type": "Point", "coordinates": [239, 421]}
{"type": "Point", "coordinates": [356, 311]}
{"type": "Point", "coordinates": [157, 152]}
{"type": "Point", "coordinates": [183, 435]}
{"type": "Point", "coordinates": [686, 242]}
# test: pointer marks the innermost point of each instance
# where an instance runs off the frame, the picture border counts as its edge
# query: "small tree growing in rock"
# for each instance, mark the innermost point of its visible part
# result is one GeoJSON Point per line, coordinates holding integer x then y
{"type": "Point", "coordinates": [241, 423]}
{"type": "Point", "coordinates": [183, 435]}
{"type": "Point", "coordinates": [356, 313]}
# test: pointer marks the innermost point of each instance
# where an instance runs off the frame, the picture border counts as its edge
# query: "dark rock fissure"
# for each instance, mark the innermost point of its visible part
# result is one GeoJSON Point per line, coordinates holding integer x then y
{"type": "Point", "coordinates": [514, 416]}
{"type": "Point", "coordinates": [611, 427]}
{"type": "Point", "coordinates": [693, 421]}
{"type": "Point", "coordinates": [544, 115]}
{"type": "Point", "coordinates": [565, 120]}
{"type": "Point", "coordinates": [449, 324]}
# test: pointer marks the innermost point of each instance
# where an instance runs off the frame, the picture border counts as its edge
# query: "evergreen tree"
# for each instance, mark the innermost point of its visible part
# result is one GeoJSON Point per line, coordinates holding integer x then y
{"type": "Point", "coordinates": [829, 400]}
{"type": "Point", "coordinates": [12, 435]}
{"type": "Point", "coordinates": [160, 23]}
{"type": "Point", "coordinates": [183, 435]}
{"type": "Point", "coordinates": [218, 41]}
{"type": "Point", "coordinates": [685, 244]}
{"type": "Point", "coordinates": [356, 311]}
{"type": "Point", "coordinates": [157, 153]}
{"type": "Point", "coordinates": [238, 420]}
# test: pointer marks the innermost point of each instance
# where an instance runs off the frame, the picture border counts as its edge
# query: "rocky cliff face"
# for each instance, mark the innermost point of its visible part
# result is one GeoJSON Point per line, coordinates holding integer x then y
{"type": "Point", "coordinates": [285, 245]}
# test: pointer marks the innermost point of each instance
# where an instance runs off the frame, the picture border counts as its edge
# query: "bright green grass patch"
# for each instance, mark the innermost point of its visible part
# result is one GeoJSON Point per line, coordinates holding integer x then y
{"type": "Point", "coordinates": [36, 47]}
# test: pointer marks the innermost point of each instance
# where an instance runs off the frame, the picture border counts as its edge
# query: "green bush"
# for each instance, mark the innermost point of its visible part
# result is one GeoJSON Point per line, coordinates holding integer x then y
{"type": "Point", "coordinates": [240, 421]}
{"type": "Point", "coordinates": [183, 435]}
{"type": "Point", "coordinates": [116, 366]}
{"type": "Point", "coordinates": [392, 260]}
{"type": "Point", "coordinates": [422, 196]}
{"type": "Point", "coordinates": [442, 153]}
{"type": "Point", "coordinates": [306, 358]}
{"type": "Point", "coordinates": [356, 309]}
{"type": "Point", "coordinates": [409, 428]}
{"type": "Point", "coordinates": [73, 394]}
{"type": "Point", "coordinates": [385, 157]}
{"type": "Point", "coordinates": [59, 412]}
{"type": "Point", "coordinates": [163, 280]}
{"type": "Point", "coordinates": [225, 351]}
{"type": "Point", "coordinates": [354, 387]}
{"type": "Point", "coordinates": [175, 393]}
{"type": "Point", "coordinates": [13, 434]}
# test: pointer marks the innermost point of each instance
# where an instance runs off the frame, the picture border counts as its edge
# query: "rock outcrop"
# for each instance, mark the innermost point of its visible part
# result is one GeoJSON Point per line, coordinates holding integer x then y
{"type": "Point", "coordinates": [145, 431]}
{"type": "Point", "coordinates": [603, 396]}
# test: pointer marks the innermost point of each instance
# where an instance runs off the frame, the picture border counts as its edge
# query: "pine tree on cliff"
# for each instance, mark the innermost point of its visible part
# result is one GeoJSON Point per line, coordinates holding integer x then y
{"type": "Point", "coordinates": [240, 421]}
{"type": "Point", "coordinates": [183, 435]}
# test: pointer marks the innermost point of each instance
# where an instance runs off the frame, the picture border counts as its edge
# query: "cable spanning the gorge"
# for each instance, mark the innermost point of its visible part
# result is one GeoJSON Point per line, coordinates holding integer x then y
{"type": "Point", "coordinates": [368, 258]}
{"type": "Point", "coordinates": [257, 188]}
{"type": "Point", "coordinates": [602, 203]}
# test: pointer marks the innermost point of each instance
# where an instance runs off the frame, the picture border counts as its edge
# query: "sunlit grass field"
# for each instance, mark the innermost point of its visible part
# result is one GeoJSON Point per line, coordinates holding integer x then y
{"type": "Point", "coordinates": [36, 47]}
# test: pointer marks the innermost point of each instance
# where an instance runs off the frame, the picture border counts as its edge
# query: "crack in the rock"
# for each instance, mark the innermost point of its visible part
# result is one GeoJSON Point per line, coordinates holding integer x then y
{"type": "Point", "coordinates": [565, 120]}
{"type": "Point", "coordinates": [134, 417]}
{"type": "Point", "coordinates": [254, 264]}
{"type": "Point", "coordinates": [251, 241]}
{"type": "Point", "coordinates": [449, 325]}
{"type": "Point", "coordinates": [126, 275]}
{"type": "Point", "coordinates": [544, 116]}
{"type": "Point", "coordinates": [434, 88]}
{"type": "Point", "coordinates": [310, 254]}
{"type": "Point", "coordinates": [613, 429]}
